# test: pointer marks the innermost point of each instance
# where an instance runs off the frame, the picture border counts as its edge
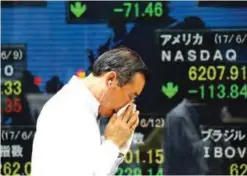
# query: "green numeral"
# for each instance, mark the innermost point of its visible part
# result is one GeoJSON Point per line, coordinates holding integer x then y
{"type": "Point", "coordinates": [136, 10]}
{"type": "Point", "coordinates": [202, 91]}
{"type": "Point", "coordinates": [160, 172]}
{"type": "Point", "coordinates": [221, 91]}
{"type": "Point", "coordinates": [158, 9]}
{"type": "Point", "coordinates": [211, 88]}
{"type": "Point", "coordinates": [243, 91]}
{"type": "Point", "coordinates": [120, 171]}
{"type": "Point", "coordinates": [149, 9]}
{"type": "Point", "coordinates": [128, 10]}
{"type": "Point", "coordinates": [234, 91]}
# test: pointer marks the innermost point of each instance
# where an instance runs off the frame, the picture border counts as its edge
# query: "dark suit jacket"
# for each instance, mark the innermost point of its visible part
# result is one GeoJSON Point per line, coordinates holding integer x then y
{"type": "Point", "coordinates": [183, 145]}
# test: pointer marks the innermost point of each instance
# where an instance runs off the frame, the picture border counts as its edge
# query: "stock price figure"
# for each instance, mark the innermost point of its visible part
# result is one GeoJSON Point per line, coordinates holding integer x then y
{"type": "Point", "coordinates": [84, 11]}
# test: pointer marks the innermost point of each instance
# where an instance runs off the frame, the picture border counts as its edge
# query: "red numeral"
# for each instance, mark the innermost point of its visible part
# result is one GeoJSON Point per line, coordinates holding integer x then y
{"type": "Point", "coordinates": [9, 108]}
{"type": "Point", "coordinates": [13, 105]}
{"type": "Point", "coordinates": [17, 105]}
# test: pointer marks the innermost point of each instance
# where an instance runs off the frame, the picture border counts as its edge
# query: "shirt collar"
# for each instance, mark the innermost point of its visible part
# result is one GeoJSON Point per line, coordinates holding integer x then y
{"type": "Point", "coordinates": [85, 94]}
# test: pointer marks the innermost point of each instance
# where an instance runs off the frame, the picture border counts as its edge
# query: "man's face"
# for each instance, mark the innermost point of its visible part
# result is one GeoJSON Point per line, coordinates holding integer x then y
{"type": "Point", "coordinates": [116, 97]}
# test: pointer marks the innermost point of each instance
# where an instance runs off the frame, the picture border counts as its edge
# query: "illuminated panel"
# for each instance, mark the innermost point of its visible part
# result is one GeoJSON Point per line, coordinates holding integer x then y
{"type": "Point", "coordinates": [146, 151]}
{"type": "Point", "coordinates": [15, 148]}
{"type": "Point", "coordinates": [13, 60]}
{"type": "Point", "coordinates": [211, 64]}
{"type": "Point", "coordinates": [85, 11]}
{"type": "Point", "coordinates": [234, 150]}
{"type": "Point", "coordinates": [13, 64]}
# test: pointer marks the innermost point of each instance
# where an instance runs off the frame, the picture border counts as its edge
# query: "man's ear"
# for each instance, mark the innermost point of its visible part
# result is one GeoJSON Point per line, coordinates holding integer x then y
{"type": "Point", "coordinates": [111, 79]}
{"type": "Point", "coordinates": [109, 82]}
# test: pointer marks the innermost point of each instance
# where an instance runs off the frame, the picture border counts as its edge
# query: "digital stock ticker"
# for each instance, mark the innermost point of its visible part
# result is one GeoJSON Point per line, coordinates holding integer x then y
{"type": "Point", "coordinates": [193, 108]}
{"type": "Point", "coordinates": [212, 73]}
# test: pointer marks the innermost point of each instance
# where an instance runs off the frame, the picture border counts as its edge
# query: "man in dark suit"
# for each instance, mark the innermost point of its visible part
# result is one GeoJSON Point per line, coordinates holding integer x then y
{"type": "Point", "coordinates": [183, 142]}
{"type": "Point", "coordinates": [183, 147]}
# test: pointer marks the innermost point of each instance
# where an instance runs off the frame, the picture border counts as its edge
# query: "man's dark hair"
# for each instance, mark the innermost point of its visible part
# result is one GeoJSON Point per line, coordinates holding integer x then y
{"type": "Point", "coordinates": [124, 61]}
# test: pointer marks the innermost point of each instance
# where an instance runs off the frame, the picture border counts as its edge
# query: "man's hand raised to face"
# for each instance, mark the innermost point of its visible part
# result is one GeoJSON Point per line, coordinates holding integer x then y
{"type": "Point", "coordinates": [120, 128]}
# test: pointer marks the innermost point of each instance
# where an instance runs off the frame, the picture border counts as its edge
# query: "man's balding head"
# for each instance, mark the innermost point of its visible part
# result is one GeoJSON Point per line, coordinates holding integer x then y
{"type": "Point", "coordinates": [124, 61]}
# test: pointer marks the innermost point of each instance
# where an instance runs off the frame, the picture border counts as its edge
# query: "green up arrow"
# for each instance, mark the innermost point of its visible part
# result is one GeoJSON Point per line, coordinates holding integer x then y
{"type": "Point", "coordinates": [169, 89]}
{"type": "Point", "coordinates": [78, 9]}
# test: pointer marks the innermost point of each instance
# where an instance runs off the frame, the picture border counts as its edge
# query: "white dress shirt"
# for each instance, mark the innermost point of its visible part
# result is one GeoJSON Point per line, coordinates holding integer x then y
{"type": "Point", "coordinates": [67, 140]}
